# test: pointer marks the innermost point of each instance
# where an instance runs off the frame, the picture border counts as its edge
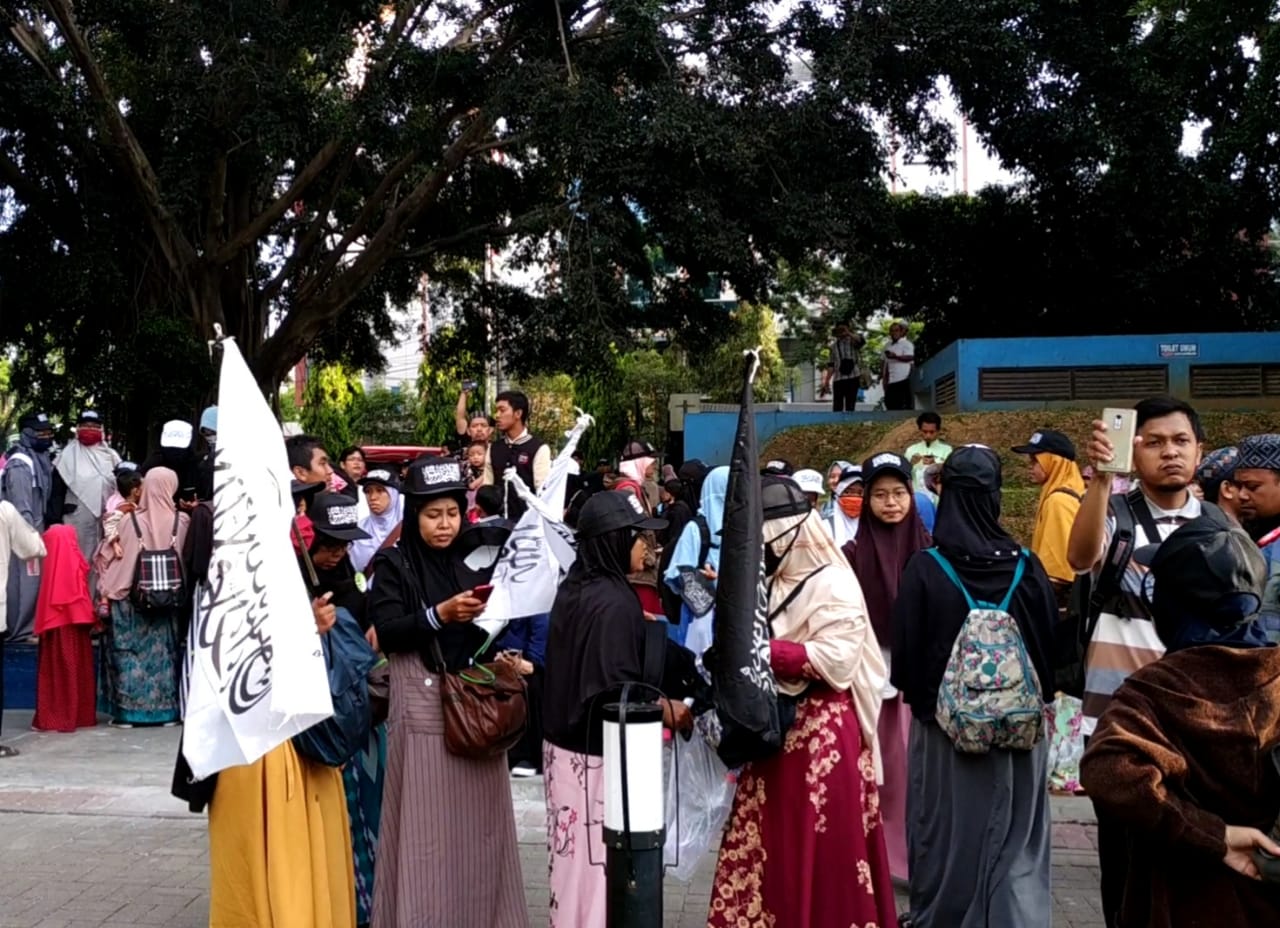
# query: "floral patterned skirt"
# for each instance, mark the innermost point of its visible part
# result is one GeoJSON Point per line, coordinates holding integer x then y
{"type": "Point", "coordinates": [138, 679]}
{"type": "Point", "coordinates": [803, 822]}
{"type": "Point", "coordinates": [575, 843]}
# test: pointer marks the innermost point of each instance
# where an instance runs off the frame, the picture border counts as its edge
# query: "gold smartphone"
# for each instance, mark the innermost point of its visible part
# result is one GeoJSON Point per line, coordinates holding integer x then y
{"type": "Point", "coordinates": [1122, 427]}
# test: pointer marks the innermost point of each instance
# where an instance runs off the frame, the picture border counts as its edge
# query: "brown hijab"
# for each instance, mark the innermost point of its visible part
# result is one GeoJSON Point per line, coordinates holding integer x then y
{"type": "Point", "coordinates": [878, 555]}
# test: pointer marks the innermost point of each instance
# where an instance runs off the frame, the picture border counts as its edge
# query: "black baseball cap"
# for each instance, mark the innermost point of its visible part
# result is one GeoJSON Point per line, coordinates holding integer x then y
{"type": "Point", "coordinates": [612, 510]}
{"type": "Point", "coordinates": [305, 491]}
{"type": "Point", "coordinates": [638, 449]}
{"type": "Point", "coordinates": [1202, 569]}
{"type": "Point", "coordinates": [1047, 441]}
{"type": "Point", "coordinates": [335, 515]}
{"type": "Point", "coordinates": [780, 496]}
{"type": "Point", "coordinates": [778, 467]}
{"type": "Point", "coordinates": [886, 462]}
{"type": "Point", "coordinates": [434, 475]}
{"type": "Point", "coordinates": [381, 475]}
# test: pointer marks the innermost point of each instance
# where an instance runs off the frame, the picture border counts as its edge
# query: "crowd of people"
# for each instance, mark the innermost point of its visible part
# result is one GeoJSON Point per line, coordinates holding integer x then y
{"type": "Point", "coordinates": [915, 643]}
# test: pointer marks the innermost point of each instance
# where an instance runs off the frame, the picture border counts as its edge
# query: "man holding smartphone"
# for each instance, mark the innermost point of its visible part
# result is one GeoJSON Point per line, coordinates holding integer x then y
{"type": "Point", "coordinates": [472, 426]}
{"type": "Point", "coordinates": [1166, 452]}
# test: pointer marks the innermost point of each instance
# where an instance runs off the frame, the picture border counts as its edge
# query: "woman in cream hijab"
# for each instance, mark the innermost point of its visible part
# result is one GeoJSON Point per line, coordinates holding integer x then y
{"type": "Point", "coordinates": [817, 799]}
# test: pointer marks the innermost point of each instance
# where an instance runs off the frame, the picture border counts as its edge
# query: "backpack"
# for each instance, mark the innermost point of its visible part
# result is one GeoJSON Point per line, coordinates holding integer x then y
{"type": "Point", "coordinates": [990, 695]}
{"type": "Point", "coordinates": [348, 659]}
{"type": "Point", "coordinates": [158, 580]}
{"type": "Point", "coordinates": [697, 592]}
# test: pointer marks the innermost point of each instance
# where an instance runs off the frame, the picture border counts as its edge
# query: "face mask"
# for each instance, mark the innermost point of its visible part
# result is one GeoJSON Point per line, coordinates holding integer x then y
{"type": "Point", "coordinates": [851, 506]}
{"type": "Point", "coordinates": [42, 444]}
{"type": "Point", "coordinates": [88, 436]}
{"type": "Point", "coordinates": [772, 559]}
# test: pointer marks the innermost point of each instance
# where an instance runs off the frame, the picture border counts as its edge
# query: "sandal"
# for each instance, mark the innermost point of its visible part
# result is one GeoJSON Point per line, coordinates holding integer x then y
{"type": "Point", "coordinates": [6, 751]}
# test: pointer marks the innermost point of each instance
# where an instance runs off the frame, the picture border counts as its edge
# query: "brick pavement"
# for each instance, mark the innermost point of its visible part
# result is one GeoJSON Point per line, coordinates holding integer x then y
{"type": "Point", "coordinates": [90, 839]}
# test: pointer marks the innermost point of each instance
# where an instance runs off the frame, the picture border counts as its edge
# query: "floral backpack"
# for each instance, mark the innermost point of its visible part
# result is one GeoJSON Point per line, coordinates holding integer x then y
{"type": "Point", "coordinates": [990, 695]}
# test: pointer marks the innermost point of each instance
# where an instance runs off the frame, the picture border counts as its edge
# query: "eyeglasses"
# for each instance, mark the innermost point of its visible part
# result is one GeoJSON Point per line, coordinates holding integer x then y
{"type": "Point", "coordinates": [898, 495]}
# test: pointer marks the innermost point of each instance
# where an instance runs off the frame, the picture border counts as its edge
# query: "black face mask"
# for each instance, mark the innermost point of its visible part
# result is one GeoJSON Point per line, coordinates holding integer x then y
{"type": "Point", "coordinates": [773, 561]}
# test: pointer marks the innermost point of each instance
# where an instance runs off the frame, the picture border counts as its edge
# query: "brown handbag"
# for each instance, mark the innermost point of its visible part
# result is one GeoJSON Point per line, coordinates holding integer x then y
{"type": "Point", "coordinates": [485, 708]}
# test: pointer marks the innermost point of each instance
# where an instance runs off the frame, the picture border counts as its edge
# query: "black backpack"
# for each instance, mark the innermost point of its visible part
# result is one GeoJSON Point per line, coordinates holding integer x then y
{"type": "Point", "coordinates": [1090, 598]}
{"type": "Point", "coordinates": [159, 582]}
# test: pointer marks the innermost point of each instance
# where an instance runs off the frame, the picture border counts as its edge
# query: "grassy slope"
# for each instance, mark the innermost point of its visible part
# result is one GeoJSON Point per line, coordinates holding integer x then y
{"type": "Point", "coordinates": [817, 446]}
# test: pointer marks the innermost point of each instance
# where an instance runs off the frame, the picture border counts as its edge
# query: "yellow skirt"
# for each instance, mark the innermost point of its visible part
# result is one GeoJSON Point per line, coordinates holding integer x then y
{"type": "Point", "coordinates": [280, 846]}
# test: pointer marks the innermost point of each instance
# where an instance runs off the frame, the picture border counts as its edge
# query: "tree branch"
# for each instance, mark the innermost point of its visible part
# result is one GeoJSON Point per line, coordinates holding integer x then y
{"type": "Point", "coordinates": [309, 317]}
{"type": "Point", "coordinates": [264, 220]}
{"type": "Point", "coordinates": [179, 252]}
{"type": "Point", "coordinates": [361, 222]}
{"type": "Point", "coordinates": [32, 44]}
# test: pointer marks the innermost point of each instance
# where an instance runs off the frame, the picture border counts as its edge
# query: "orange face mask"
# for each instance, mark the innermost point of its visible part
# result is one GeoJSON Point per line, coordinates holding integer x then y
{"type": "Point", "coordinates": [851, 506]}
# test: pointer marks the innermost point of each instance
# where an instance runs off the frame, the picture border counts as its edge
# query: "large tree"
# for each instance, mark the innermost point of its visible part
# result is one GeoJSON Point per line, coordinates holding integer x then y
{"type": "Point", "coordinates": [284, 169]}
{"type": "Point", "coordinates": [1118, 225]}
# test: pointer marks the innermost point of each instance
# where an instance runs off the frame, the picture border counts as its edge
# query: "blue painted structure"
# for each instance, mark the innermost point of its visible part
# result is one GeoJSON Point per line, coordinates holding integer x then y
{"type": "Point", "coordinates": [1213, 370]}
{"type": "Point", "coordinates": [708, 434]}
{"type": "Point", "coordinates": [1222, 370]}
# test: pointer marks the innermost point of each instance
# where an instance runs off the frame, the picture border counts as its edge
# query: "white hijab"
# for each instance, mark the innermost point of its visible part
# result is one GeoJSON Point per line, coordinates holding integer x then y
{"type": "Point", "coordinates": [378, 527]}
{"type": "Point", "coordinates": [843, 528]}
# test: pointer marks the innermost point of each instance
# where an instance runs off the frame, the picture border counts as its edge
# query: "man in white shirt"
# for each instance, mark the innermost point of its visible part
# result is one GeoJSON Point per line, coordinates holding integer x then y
{"type": "Point", "coordinates": [899, 357]}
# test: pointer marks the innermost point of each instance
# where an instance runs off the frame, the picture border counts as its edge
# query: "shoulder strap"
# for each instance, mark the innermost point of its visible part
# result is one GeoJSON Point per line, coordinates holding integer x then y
{"type": "Point", "coordinates": [951, 574]}
{"type": "Point", "coordinates": [1141, 513]}
{"type": "Point", "coordinates": [133, 516]}
{"type": "Point", "coordinates": [173, 538]}
{"type": "Point", "coordinates": [704, 532]}
{"type": "Point", "coordinates": [791, 597]}
{"type": "Point", "coordinates": [1070, 492]}
{"type": "Point", "coordinates": [1017, 578]}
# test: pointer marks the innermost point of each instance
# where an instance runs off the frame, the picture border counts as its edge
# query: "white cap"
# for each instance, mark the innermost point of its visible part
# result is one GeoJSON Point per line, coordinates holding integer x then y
{"type": "Point", "coordinates": [176, 434]}
{"type": "Point", "coordinates": [810, 481]}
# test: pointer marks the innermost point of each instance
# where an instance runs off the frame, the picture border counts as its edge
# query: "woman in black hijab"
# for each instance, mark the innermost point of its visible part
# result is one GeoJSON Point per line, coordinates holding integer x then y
{"type": "Point", "coordinates": [972, 819]}
{"type": "Point", "coordinates": [598, 640]}
{"type": "Point", "coordinates": [447, 852]}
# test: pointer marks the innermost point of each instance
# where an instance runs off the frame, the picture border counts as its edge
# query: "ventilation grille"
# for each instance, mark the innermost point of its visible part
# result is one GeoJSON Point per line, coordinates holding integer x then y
{"type": "Point", "coordinates": [997, 384]}
{"type": "Point", "coordinates": [944, 391]}
{"type": "Point", "coordinates": [1235, 380]}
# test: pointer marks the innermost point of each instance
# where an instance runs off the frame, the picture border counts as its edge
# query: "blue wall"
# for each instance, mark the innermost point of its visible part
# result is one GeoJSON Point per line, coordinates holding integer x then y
{"type": "Point", "coordinates": [1180, 351]}
{"type": "Point", "coordinates": [708, 435]}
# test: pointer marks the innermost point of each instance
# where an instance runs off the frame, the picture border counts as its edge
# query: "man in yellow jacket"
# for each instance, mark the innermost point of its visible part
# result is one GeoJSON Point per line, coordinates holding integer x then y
{"type": "Point", "coordinates": [1053, 467]}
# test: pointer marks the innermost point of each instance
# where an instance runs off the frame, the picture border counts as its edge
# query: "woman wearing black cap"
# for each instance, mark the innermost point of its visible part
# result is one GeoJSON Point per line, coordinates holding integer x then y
{"type": "Point", "coordinates": [598, 640]}
{"type": "Point", "coordinates": [889, 533]}
{"type": "Point", "coordinates": [447, 851]}
{"type": "Point", "coordinates": [804, 846]}
{"type": "Point", "coordinates": [973, 820]}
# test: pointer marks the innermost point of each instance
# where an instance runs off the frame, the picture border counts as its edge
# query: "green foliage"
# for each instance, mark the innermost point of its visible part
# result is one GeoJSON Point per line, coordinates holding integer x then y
{"type": "Point", "coordinates": [330, 402]}
{"type": "Point", "coordinates": [599, 391]}
{"type": "Point", "coordinates": [383, 417]}
{"type": "Point", "coordinates": [720, 377]}
{"type": "Point", "coordinates": [651, 377]}
{"type": "Point", "coordinates": [551, 405]}
{"type": "Point", "coordinates": [445, 365]}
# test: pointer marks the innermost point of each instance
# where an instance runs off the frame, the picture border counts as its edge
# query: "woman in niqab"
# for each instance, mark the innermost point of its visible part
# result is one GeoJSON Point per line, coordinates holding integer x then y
{"type": "Point", "coordinates": [598, 640]}
{"type": "Point", "coordinates": [804, 846]}
{"type": "Point", "coordinates": [447, 852]}
{"type": "Point", "coordinates": [977, 824]}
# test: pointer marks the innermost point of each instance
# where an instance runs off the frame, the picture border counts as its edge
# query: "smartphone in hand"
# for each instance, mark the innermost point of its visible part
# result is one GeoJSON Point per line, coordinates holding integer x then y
{"type": "Point", "coordinates": [1122, 427]}
{"type": "Point", "coordinates": [483, 592]}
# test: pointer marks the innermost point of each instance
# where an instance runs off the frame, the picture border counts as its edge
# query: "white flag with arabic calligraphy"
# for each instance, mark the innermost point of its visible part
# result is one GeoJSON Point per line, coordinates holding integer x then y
{"type": "Point", "coordinates": [256, 672]}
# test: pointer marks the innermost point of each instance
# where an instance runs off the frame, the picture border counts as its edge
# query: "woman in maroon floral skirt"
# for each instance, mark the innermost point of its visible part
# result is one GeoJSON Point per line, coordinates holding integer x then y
{"type": "Point", "coordinates": [805, 847]}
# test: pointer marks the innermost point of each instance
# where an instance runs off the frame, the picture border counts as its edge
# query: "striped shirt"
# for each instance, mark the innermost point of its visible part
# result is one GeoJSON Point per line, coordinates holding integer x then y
{"type": "Point", "coordinates": [1124, 644]}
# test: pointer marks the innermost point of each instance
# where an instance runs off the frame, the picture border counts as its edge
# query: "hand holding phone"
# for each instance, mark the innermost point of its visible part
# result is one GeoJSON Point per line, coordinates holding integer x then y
{"type": "Point", "coordinates": [1121, 427]}
{"type": "Point", "coordinates": [483, 592]}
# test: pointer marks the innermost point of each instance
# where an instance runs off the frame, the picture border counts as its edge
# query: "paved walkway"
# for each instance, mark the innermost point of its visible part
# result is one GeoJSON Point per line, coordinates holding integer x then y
{"type": "Point", "coordinates": [91, 838]}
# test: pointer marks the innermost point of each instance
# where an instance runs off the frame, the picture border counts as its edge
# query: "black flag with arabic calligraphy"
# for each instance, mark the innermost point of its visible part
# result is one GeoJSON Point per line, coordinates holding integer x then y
{"type": "Point", "coordinates": [741, 677]}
